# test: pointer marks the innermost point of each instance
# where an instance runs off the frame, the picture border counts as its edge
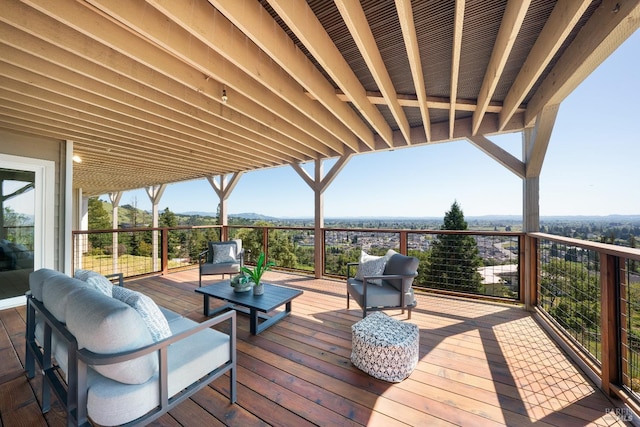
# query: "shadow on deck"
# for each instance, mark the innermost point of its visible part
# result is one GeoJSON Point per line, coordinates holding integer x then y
{"type": "Point", "coordinates": [480, 364]}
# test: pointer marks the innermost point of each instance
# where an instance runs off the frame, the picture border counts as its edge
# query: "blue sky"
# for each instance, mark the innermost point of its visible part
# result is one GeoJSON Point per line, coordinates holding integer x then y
{"type": "Point", "coordinates": [592, 167]}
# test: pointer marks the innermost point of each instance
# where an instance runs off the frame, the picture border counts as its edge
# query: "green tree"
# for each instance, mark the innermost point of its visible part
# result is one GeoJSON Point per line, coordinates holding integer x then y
{"type": "Point", "coordinates": [281, 249]}
{"type": "Point", "coordinates": [570, 294]}
{"type": "Point", "coordinates": [99, 219]}
{"type": "Point", "coordinates": [454, 260]}
{"type": "Point", "coordinates": [176, 238]}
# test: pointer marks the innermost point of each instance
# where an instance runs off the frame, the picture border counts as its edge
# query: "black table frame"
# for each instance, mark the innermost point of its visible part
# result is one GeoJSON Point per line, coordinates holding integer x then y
{"type": "Point", "coordinates": [256, 306]}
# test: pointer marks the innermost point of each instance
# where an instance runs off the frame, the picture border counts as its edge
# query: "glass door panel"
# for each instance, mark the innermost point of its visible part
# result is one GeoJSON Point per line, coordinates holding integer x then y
{"type": "Point", "coordinates": [17, 219]}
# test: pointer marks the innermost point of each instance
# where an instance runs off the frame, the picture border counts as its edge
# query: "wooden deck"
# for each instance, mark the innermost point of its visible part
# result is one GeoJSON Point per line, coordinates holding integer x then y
{"type": "Point", "coordinates": [481, 364]}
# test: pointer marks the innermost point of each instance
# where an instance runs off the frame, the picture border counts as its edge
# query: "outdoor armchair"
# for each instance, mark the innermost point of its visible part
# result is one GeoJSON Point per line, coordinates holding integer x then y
{"type": "Point", "coordinates": [221, 258]}
{"type": "Point", "coordinates": [383, 283]}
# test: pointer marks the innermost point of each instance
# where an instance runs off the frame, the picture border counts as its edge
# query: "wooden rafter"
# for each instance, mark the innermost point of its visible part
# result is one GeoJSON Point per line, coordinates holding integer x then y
{"type": "Point", "coordinates": [356, 21]}
{"type": "Point", "coordinates": [455, 62]}
{"type": "Point", "coordinates": [509, 28]}
{"type": "Point", "coordinates": [405, 14]}
{"type": "Point", "coordinates": [556, 30]}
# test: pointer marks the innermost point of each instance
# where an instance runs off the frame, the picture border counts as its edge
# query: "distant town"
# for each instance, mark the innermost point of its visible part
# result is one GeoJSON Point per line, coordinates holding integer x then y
{"type": "Point", "coordinates": [622, 230]}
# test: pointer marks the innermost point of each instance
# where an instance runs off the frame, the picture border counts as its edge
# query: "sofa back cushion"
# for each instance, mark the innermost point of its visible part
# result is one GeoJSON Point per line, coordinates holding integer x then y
{"type": "Point", "coordinates": [105, 325]}
{"type": "Point", "coordinates": [401, 264]}
{"type": "Point", "coordinates": [38, 278]}
{"type": "Point", "coordinates": [56, 291]}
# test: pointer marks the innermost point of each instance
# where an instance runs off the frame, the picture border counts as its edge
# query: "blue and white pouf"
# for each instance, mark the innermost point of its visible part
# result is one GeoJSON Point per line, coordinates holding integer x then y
{"type": "Point", "coordinates": [385, 348]}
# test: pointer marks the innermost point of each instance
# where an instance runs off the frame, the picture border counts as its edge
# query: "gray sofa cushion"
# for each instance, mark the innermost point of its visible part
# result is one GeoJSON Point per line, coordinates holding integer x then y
{"type": "Point", "coordinates": [105, 325]}
{"type": "Point", "coordinates": [37, 279]}
{"type": "Point", "coordinates": [111, 403]}
{"type": "Point", "coordinates": [56, 293]}
{"type": "Point", "coordinates": [400, 264]}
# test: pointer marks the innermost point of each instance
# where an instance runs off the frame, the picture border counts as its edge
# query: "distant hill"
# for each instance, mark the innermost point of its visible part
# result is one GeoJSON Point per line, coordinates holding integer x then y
{"type": "Point", "coordinates": [497, 217]}
{"type": "Point", "coordinates": [251, 215]}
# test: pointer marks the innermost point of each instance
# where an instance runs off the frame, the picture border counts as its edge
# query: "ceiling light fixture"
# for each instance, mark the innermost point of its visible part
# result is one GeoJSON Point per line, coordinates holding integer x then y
{"type": "Point", "coordinates": [224, 96]}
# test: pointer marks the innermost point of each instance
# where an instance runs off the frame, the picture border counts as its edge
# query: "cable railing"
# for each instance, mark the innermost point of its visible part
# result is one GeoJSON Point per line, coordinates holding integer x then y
{"type": "Point", "coordinates": [140, 251]}
{"type": "Point", "coordinates": [590, 293]}
{"type": "Point", "coordinates": [478, 263]}
{"type": "Point", "coordinates": [467, 262]}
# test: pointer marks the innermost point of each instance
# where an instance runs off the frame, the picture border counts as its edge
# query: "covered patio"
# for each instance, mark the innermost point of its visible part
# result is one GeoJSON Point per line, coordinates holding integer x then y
{"type": "Point", "coordinates": [100, 97]}
{"type": "Point", "coordinates": [480, 364]}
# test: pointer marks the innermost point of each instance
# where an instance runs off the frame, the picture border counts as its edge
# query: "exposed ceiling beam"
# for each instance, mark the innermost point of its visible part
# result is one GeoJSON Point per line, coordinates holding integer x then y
{"type": "Point", "coordinates": [200, 56]}
{"type": "Point", "coordinates": [127, 61]}
{"type": "Point", "coordinates": [356, 22]}
{"type": "Point", "coordinates": [405, 14]}
{"type": "Point", "coordinates": [433, 102]}
{"type": "Point", "coordinates": [249, 16]}
{"type": "Point", "coordinates": [136, 102]}
{"type": "Point", "coordinates": [215, 30]}
{"type": "Point", "coordinates": [509, 28]}
{"type": "Point", "coordinates": [558, 27]}
{"type": "Point", "coordinates": [455, 62]}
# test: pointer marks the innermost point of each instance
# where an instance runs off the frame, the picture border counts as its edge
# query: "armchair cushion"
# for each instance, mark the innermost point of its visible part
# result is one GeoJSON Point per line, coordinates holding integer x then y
{"type": "Point", "coordinates": [399, 264]}
{"type": "Point", "coordinates": [223, 252]}
{"type": "Point", "coordinates": [370, 265]}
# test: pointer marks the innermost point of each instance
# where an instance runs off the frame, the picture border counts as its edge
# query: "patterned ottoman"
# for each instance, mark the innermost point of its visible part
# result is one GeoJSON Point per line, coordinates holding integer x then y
{"type": "Point", "coordinates": [385, 348]}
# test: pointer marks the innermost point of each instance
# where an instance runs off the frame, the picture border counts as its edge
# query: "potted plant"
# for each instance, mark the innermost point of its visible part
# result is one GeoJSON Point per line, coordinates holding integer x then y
{"type": "Point", "coordinates": [254, 275]}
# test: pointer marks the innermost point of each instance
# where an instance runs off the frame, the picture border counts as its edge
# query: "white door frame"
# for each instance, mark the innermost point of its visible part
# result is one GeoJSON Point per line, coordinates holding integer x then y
{"type": "Point", "coordinates": [44, 221]}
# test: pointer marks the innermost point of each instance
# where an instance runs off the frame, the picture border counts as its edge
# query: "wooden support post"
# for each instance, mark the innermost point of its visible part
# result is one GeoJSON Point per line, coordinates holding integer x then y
{"type": "Point", "coordinates": [164, 235]}
{"type": "Point", "coordinates": [404, 250]}
{"type": "Point", "coordinates": [528, 271]}
{"type": "Point", "coordinates": [609, 273]}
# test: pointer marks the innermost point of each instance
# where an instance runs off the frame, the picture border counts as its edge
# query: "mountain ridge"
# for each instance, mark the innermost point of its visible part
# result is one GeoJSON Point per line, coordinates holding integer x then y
{"type": "Point", "coordinates": [257, 216]}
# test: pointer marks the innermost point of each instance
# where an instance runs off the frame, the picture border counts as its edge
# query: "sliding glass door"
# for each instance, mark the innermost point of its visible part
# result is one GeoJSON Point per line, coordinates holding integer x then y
{"type": "Point", "coordinates": [26, 224]}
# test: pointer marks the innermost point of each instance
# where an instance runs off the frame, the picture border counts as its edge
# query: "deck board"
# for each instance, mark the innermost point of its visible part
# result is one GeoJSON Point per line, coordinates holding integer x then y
{"type": "Point", "coordinates": [480, 364]}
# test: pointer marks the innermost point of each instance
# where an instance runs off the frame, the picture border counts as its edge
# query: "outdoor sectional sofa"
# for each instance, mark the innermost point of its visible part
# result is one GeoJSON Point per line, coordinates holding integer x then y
{"type": "Point", "coordinates": [124, 359]}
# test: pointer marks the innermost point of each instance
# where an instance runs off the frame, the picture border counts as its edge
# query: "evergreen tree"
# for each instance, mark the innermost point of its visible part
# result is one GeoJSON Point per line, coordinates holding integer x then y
{"type": "Point", "coordinates": [99, 219]}
{"type": "Point", "coordinates": [454, 259]}
{"type": "Point", "coordinates": [176, 238]}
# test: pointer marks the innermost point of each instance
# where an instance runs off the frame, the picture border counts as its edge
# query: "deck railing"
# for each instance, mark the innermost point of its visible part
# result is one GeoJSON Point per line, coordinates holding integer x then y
{"type": "Point", "coordinates": [495, 270]}
{"type": "Point", "coordinates": [587, 292]}
{"type": "Point", "coordinates": [590, 293]}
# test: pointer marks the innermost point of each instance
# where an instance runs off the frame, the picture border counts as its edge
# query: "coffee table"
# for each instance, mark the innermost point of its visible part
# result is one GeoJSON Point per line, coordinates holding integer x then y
{"type": "Point", "coordinates": [255, 306]}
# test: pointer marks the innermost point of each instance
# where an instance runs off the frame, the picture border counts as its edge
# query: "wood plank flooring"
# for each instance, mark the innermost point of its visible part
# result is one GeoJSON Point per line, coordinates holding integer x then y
{"type": "Point", "coordinates": [481, 364]}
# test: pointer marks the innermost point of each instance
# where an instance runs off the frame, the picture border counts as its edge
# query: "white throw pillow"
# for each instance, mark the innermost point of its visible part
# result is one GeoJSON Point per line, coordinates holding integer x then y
{"type": "Point", "coordinates": [95, 280]}
{"type": "Point", "coordinates": [147, 309]}
{"type": "Point", "coordinates": [224, 253]}
{"type": "Point", "coordinates": [371, 265]}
